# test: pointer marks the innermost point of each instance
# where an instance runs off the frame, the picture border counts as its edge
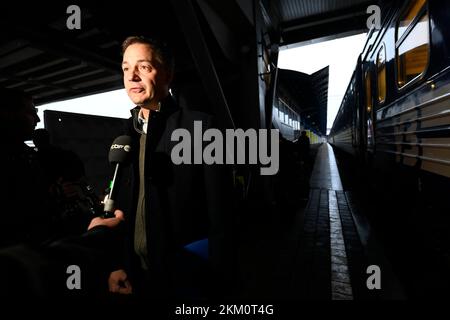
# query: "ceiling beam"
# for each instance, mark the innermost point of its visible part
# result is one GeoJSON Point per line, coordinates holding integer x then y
{"type": "Point", "coordinates": [326, 24]}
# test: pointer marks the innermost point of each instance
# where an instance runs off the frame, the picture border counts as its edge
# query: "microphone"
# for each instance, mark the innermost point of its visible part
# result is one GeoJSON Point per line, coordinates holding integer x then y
{"type": "Point", "coordinates": [119, 154]}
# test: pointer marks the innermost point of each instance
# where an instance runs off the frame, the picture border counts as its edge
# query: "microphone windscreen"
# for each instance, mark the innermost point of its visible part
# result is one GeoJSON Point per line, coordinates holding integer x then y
{"type": "Point", "coordinates": [120, 150]}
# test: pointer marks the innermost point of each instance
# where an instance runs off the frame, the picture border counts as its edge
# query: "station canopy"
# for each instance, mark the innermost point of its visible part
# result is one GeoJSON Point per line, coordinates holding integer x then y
{"type": "Point", "coordinates": [308, 95]}
{"type": "Point", "coordinates": [40, 55]}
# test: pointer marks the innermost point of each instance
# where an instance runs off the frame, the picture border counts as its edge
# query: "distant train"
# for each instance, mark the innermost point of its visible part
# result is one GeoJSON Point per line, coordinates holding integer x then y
{"type": "Point", "coordinates": [396, 110]}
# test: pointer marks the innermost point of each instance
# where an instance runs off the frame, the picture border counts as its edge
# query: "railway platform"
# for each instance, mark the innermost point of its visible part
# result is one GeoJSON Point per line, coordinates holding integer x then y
{"type": "Point", "coordinates": [325, 250]}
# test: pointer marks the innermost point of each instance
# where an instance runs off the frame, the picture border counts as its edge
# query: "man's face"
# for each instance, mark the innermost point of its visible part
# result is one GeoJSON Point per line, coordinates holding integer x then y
{"type": "Point", "coordinates": [27, 120]}
{"type": "Point", "coordinates": [19, 124]}
{"type": "Point", "coordinates": [145, 79]}
{"type": "Point", "coordinates": [32, 118]}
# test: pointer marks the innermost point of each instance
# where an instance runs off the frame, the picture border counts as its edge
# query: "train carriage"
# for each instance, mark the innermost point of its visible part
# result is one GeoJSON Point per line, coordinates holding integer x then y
{"type": "Point", "coordinates": [396, 111]}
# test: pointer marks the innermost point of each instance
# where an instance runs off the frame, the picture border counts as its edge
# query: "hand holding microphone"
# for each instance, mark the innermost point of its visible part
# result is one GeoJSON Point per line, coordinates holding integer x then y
{"type": "Point", "coordinates": [111, 221]}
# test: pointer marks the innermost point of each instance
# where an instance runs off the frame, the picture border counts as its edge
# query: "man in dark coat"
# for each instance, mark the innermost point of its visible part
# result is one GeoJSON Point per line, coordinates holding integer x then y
{"type": "Point", "coordinates": [34, 251]}
{"type": "Point", "coordinates": [25, 217]}
{"type": "Point", "coordinates": [180, 217]}
{"type": "Point", "coordinates": [303, 147]}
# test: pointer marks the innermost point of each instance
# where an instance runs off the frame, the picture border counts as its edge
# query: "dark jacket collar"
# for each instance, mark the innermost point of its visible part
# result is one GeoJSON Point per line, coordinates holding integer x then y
{"type": "Point", "coordinates": [168, 106]}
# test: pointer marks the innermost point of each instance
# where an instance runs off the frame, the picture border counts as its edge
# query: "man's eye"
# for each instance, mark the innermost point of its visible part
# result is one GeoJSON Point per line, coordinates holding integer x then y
{"type": "Point", "coordinates": [146, 67]}
{"type": "Point", "coordinates": [124, 69]}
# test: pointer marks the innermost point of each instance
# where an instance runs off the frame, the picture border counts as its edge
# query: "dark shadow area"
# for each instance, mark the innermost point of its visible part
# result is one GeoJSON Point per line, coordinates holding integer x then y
{"type": "Point", "coordinates": [268, 245]}
{"type": "Point", "coordinates": [413, 229]}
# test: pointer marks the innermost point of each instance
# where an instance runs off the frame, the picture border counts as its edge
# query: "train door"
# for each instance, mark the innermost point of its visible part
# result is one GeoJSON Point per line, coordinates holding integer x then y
{"type": "Point", "coordinates": [354, 114]}
{"type": "Point", "coordinates": [359, 112]}
{"type": "Point", "coordinates": [358, 141]}
{"type": "Point", "coordinates": [369, 133]}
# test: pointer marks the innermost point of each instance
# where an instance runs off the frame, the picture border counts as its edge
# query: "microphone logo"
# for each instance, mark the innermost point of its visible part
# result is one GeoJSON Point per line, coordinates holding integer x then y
{"type": "Point", "coordinates": [125, 147]}
{"type": "Point", "coordinates": [119, 155]}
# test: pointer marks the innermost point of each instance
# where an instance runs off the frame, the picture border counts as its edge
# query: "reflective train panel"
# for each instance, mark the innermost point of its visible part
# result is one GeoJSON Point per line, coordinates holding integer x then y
{"type": "Point", "coordinates": [397, 105]}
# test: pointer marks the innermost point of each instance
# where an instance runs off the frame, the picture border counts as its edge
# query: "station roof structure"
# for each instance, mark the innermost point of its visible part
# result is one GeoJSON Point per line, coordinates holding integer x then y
{"type": "Point", "coordinates": [309, 96]}
{"type": "Point", "coordinates": [42, 56]}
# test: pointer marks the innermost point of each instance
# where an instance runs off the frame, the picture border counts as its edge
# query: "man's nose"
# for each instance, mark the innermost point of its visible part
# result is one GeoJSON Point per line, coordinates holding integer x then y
{"type": "Point", "coordinates": [134, 76]}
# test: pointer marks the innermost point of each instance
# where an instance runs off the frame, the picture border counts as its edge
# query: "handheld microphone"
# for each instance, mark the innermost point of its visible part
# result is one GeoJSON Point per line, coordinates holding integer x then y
{"type": "Point", "coordinates": [119, 155]}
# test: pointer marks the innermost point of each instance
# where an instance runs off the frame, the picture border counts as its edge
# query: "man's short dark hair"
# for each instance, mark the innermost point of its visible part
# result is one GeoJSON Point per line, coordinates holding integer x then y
{"type": "Point", "coordinates": [12, 99]}
{"type": "Point", "coordinates": [161, 49]}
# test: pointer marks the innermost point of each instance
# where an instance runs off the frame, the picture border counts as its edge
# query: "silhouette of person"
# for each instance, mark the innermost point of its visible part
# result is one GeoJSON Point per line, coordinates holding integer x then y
{"type": "Point", "coordinates": [34, 253]}
{"type": "Point", "coordinates": [284, 180]}
{"type": "Point", "coordinates": [24, 198]}
{"type": "Point", "coordinates": [57, 162]}
{"type": "Point", "coordinates": [74, 199]}
{"type": "Point", "coordinates": [303, 147]}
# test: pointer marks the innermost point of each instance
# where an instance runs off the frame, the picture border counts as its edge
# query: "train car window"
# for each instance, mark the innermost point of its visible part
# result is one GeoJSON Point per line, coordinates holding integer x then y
{"type": "Point", "coordinates": [368, 91]}
{"type": "Point", "coordinates": [409, 16]}
{"type": "Point", "coordinates": [381, 74]}
{"type": "Point", "coordinates": [413, 52]}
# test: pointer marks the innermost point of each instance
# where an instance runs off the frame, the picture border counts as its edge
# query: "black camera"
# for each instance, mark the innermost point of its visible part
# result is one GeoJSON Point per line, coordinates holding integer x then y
{"type": "Point", "coordinates": [76, 205]}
